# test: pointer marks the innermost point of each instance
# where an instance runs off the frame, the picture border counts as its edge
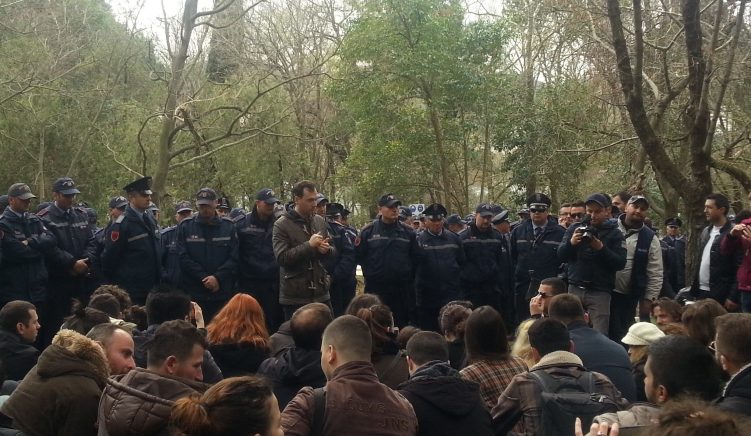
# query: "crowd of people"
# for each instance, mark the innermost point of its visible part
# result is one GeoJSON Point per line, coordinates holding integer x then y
{"type": "Point", "coordinates": [235, 322]}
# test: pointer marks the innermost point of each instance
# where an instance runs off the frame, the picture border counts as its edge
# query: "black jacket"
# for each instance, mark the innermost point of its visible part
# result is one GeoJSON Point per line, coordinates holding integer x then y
{"type": "Point", "coordinates": [736, 397]}
{"type": "Point", "coordinates": [677, 277]}
{"type": "Point", "coordinates": [257, 261]}
{"type": "Point", "coordinates": [23, 273]}
{"type": "Point", "coordinates": [72, 233]}
{"type": "Point", "coordinates": [341, 267]}
{"type": "Point", "coordinates": [17, 357]}
{"type": "Point", "coordinates": [291, 370]}
{"type": "Point", "coordinates": [131, 258]}
{"type": "Point", "coordinates": [590, 269]}
{"type": "Point", "coordinates": [535, 259]}
{"type": "Point", "coordinates": [236, 360]}
{"type": "Point", "coordinates": [488, 261]}
{"type": "Point", "coordinates": [387, 254]}
{"type": "Point", "coordinates": [440, 260]}
{"type": "Point", "coordinates": [170, 258]}
{"type": "Point", "coordinates": [207, 248]}
{"type": "Point", "coordinates": [444, 403]}
{"type": "Point", "coordinates": [722, 269]}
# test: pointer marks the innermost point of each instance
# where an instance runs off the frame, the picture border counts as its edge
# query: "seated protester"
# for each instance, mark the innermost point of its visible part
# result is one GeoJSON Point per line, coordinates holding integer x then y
{"type": "Point", "coordinates": [19, 327]}
{"type": "Point", "coordinates": [118, 346]}
{"type": "Point", "coordinates": [453, 321]}
{"type": "Point", "coordinates": [84, 319]}
{"type": "Point", "coordinates": [404, 336]}
{"type": "Point", "coordinates": [386, 356]}
{"type": "Point", "coordinates": [639, 337]}
{"type": "Point", "coordinates": [119, 293]}
{"type": "Point", "coordinates": [111, 306]}
{"type": "Point", "coordinates": [696, 418]}
{"type": "Point", "coordinates": [299, 366]}
{"type": "Point", "coordinates": [521, 347]}
{"type": "Point", "coordinates": [136, 315]}
{"type": "Point", "coordinates": [237, 336]}
{"type": "Point", "coordinates": [281, 339]}
{"type": "Point", "coordinates": [733, 350]}
{"type": "Point", "coordinates": [170, 305]}
{"type": "Point", "coordinates": [666, 311]}
{"type": "Point", "coordinates": [489, 362]}
{"type": "Point", "coordinates": [140, 401]}
{"type": "Point", "coordinates": [699, 319]}
{"type": "Point", "coordinates": [443, 402]}
{"type": "Point", "coordinates": [596, 351]}
{"type": "Point", "coordinates": [235, 406]}
{"type": "Point", "coordinates": [677, 367]}
{"type": "Point", "coordinates": [352, 381]}
{"type": "Point", "coordinates": [522, 401]}
{"type": "Point", "coordinates": [549, 288]}
{"type": "Point", "coordinates": [60, 394]}
{"type": "Point", "coordinates": [362, 301]}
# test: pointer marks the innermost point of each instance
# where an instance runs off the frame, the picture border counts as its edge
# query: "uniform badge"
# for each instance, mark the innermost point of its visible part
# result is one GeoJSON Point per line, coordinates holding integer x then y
{"type": "Point", "coordinates": [357, 241]}
{"type": "Point", "coordinates": [114, 235]}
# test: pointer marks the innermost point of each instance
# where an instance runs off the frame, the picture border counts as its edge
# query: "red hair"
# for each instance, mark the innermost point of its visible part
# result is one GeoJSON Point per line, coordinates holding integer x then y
{"type": "Point", "coordinates": [240, 320]}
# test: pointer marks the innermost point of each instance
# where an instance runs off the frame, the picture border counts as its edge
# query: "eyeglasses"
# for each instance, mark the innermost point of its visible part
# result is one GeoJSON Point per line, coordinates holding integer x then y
{"type": "Point", "coordinates": [576, 215]}
{"type": "Point", "coordinates": [536, 210]}
{"type": "Point", "coordinates": [542, 295]}
{"type": "Point", "coordinates": [672, 227]}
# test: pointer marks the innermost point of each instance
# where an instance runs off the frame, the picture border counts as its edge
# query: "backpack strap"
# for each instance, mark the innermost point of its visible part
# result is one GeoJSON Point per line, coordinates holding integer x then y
{"type": "Point", "coordinates": [548, 383]}
{"type": "Point", "coordinates": [395, 361]}
{"type": "Point", "coordinates": [319, 409]}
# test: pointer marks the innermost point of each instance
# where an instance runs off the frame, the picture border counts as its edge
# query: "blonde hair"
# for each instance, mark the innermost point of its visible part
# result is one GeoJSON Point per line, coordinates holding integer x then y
{"type": "Point", "coordinates": [521, 348]}
{"type": "Point", "coordinates": [636, 353]}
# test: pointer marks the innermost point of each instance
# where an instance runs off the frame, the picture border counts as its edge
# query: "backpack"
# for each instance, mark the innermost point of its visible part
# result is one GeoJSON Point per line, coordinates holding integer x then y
{"type": "Point", "coordinates": [567, 398]}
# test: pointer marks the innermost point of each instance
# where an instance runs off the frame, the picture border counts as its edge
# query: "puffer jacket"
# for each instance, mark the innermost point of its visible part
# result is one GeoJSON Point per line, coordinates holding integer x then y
{"type": "Point", "coordinates": [303, 278]}
{"type": "Point", "coordinates": [140, 403]}
{"type": "Point", "coordinates": [291, 370]}
{"type": "Point", "coordinates": [60, 394]}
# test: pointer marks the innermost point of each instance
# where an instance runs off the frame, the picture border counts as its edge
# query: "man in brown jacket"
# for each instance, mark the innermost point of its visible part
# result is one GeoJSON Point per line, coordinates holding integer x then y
{"type": "Point", "coordinates": [355, 402]}
{"type": "Point", "coordinates": [301, 241]}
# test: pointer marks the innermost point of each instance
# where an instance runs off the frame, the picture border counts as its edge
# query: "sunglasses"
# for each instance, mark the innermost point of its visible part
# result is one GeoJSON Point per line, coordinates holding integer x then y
{"type": "Point", "coordinates": [672, 227]}
{"type": "Point", "coordinates": [538, 210]}
{"type": "Point", "coordinates": [577, 215]}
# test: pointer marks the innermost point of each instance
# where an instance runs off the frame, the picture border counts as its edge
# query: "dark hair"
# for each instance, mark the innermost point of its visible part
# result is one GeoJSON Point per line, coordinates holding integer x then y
{"type": "Point", "coordinates": [121, 294]}
{"type": "Point", "coordinates": [623, 195]}
{"type": "Point", "coordinates": [691, 417]}
{"type": "Point", "coordinates": [14, 312]}
{"type": "Point", "coordinates": [84, 319]}
{"type": "Point", "coordinates": [733, 338]}
{"type": "Point", "coordinates": [452, 319]}
{"type": "Point", "coordinates": [547, 335]}
{"type": "Point", "coordinates": [238, 405]}
{"type": "Point", "coordinates": [426, 347]}
{"type": "Point", "coordinates": [565, 205]}
{"type": "Point", "coordinates": [299, 189]}
{"type": "Point", "coordinates": [106, 303]}
{"type": "Point", "coordinates": [379, 320]}
{"type": "Point", "coordinates": [684, 367]}
{"type": "Point", "coordinates": [566, 308]}
{"type": "Point", "coordinates": [308, 323]}
{"type": "Point", "coordinates": [404, 335]}
{"type": "Point", "coordinates": [485, 336]}
{"type": "Point", "coordinates": [699, 319]}
{"type": "Point", "coordinates": [742, 215]}
{"type": "Point", "coordinates": [350, 336]}
{"type": "Point", "coordinates": [720, 201]}
{"type": "Point", "coordinates": [103, 332]}
{"type": "Point", "coordinates": [168, 305]}
{"type": "Point", "coordinates": [578, 203]}
{"type": "Point", "coordinates": [136, 315]}
{"type": "Point", "coordinates": [669, 306]}
{"type": "Point", "coordinates": [556, 284]}
{"type": "Point", "coordinates": [362, 301]}
{"type": "Point", "coordinates": [173, 338]}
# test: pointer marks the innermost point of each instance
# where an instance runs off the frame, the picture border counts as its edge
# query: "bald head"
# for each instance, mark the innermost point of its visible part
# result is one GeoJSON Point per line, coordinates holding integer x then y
{"type": "Point", "coordinates": [308, 323]}
{"type": "Point", "coordinates": [350, 337]}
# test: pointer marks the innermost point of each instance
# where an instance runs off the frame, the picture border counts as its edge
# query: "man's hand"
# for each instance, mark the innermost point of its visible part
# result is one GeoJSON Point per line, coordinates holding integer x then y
{"type": "Point", "coordinates": [576, 238]}
{"type": "Point", "coordinates": [738, 230]}
{"type": "Point", "coordinates": [596, 244]}
{"type": "Point", "coordinates": [324, 247]}
{"type": "Point", "coordinates": [596, 429]}
{"type": "Point", "coordinates": [196, 314]}
{"type": "Point", "coordinates": [211, 283]}
{"type": "Point", "coordinates": [316, 240]}
{"type": "Point", "coordinates": [535, 306]}
{"type": "Point", "coordinates": [80, 267]}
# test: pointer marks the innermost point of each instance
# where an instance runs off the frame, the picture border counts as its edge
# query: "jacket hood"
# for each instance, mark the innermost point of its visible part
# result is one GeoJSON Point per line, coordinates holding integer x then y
{"type": "Point", "coordinates": [299, 366]}
{"type": "Point", "coordinates": [439, 385]}
{"type": "Point", "coordinates": [72, 353]}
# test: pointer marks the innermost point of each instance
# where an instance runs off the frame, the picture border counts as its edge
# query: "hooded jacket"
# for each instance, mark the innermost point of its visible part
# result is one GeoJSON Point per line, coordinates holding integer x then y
{"type": "Point", "coordinates": [238, 359]}
{"type": "Point", "coordinates": [18, 357]}
{"type": "Point", "coordinates": [139, 403]}
{"type": "Point", "coordinates": [60, 394]}
{"type": "Point", "coordinates": [444, 403]}
{"type": "Point", "coordinates": [291, 370]}
{"type": "Point", "coordinates": [594, 269]}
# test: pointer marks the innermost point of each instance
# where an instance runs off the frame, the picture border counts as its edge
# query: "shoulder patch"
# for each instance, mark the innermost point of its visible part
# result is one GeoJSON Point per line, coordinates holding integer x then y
{"type": "Point", "coordinates": [115, 235]}
{"type": "Point", "coordinates": [44, 211]}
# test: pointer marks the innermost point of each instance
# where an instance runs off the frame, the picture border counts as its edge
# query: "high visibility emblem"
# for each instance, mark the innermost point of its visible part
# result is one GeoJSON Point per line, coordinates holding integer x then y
{"type": "Point", "coordinates": [115, 235]}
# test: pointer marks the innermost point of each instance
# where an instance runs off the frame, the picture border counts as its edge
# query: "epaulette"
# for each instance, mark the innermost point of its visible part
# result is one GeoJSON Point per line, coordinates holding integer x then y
{"type": "Point", "coordinates": [228, 219]}
{"type": "Point", "coordinates": [43, 212]}
{"type": "Point", "coordinates": [367, 226]}
{"type": "Point", "coordinates": [167, 229]}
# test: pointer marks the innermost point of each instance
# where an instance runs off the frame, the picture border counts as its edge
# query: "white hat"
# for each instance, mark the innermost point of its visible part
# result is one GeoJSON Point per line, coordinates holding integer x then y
{"type": "Point", "coordinates": [642, 333]}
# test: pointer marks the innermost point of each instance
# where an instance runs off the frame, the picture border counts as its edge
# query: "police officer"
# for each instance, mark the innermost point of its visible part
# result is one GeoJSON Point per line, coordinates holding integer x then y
{"type": "Point", "coordinates": [340, 267]}
{"type": "Point", "coordinates": [321, 202]}
{"type": "Point", "coordinates": [237, 213]}
{"type": "Point", "coordinates": [25, 243]}
{"type": "Point", "coordinates": [208, 248]}
{"type": "Point", "coordinates": [170, 257]}
{"type": "Point", "coordinates": [3, 202]}
{"type": "Point", "coordinates": [68, 261]}
{"type": "Point", "coordinates": [486, 274]}
{"type": "Point", "coordinates": [387, 251]}
{"type": "Point", "coordinates": [259, 272]}
{"type": "Point", "coordinates": [534, 252]}
{"type": "Point", "coordinates": [455, 223]}
{"type": "Point", "coordinates": [440, 259]}
{"type": "Point", "coordinates": [155, 212]}
{"type": "Point", "coordinates": [131, 258]}
{"type": "Point", "coordinates": [350, 231]}
{"type": "Point", "coordinates": [677, 277]}
{"type": "Point", "coordinates": [223, 207]}
{"type": "Point", "coordinates": [95, 246]}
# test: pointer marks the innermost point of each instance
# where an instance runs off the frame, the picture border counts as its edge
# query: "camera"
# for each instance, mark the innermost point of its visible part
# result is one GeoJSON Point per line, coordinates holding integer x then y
{"type": "Point", "coordinates": [588, 232]}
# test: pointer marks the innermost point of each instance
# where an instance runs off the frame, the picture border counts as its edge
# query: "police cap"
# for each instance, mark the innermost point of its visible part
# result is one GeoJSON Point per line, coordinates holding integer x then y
{"type": "Point", "coordinates": [675, 221]}
{"type": "Point", "coordinates": [538, 200]}
{"type": "Point", "coordinates": [205, 196]}
{"type": "Point", "coordinates": [435, 211]}
{"type": "Point", "coordinates": [267, 195]}
{"type": "Point", "coordinates": [485, 209]}
{"type": "Point", "coordinates": [142, 185]}
{"type": "Point", "coordinates": [118, 202]}
{"type": "Point", "coordinates": [389, 200]}
{"type": "Point", "coordinates": [65, 186]}
{"type": "Point", "coordinates": [183, 206]}
{"type": "Point", "coordinates": [20, 190]}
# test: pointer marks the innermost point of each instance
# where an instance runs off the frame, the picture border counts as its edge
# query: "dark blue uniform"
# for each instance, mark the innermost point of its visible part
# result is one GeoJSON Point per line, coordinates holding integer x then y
{"type": "Point", "coordinates": [677, 277]}
{"type": "Point", "coordinates": [535, 259]}
{"type": "Point", "coordinates": [208, 248]}
{"type": "Point", "coordinates": [387, 254]}
{"type": "Point", "coordinates": [341, 268]}
{"type": "Point", "coordinates": [440, 259]}
{"type": "Point", "coordinates": [258, 274]}
{"type": "Point", "coordinates": [486, 275]}
{"type": "Point", "coordinates": [170, 258]}
{"type": "Point", "coordinates": [131, 258]}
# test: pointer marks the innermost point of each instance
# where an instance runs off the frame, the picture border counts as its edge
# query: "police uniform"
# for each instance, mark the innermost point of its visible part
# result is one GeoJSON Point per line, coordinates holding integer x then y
{"type": "Point", "coordinates": [207, 247]}
{"type": "Point", "coordinates": [131, 257]}
{"type": "Point", "coordinates": [170, 258]}
{"type": "Point", "coordinates": [677, 277]}
{"type": "Point", "coordinates": [341, 267]}
{"type": "Point", "coordinates": [259, 273]}
{"type": "Point", "coordinates": [387, 254]}
{"type": "Point", "coordinates": [440, 259]}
